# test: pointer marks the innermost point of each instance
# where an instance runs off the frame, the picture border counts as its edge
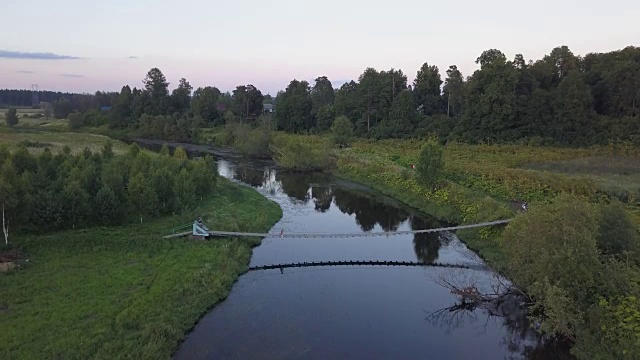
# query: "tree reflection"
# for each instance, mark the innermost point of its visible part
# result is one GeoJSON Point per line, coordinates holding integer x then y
{"type": "Point", "coordinates": [426, 245]}
{"type": "Point", "coordinates": [249, 175]}
{"type": "Point", "coordinates": [322, 197]}
{"type": "Point", "coordinates": [295, 185]}
{"type": "Point", "coordinates": [369, 211]}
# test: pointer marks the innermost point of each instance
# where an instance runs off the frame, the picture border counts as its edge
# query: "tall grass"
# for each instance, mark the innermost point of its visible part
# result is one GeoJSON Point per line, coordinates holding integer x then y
{"type": "Point", "coordinates": [303, 153]}
{"type": "Point", "coordinates": [124, 292]}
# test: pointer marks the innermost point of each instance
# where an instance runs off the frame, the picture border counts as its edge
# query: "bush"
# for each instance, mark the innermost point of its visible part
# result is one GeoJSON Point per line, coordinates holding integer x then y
{"type": "Point", "coordinates": [75, 120]}
{"type": "Point", "coordinates": [301, 152]}
{"type": "Point", "coordinates": [11, 117]}
{"type": "Point", "coordinates": [430, 167]}
{"type": "Point", "coordinates": [342, 131]}
{"type": "Point", "coordinates": [553, 256]}
{"type": "Point", "coordinates": [617, 234]}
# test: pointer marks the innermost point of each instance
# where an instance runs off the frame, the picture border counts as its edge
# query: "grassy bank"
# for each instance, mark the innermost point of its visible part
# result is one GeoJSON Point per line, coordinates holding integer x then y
{"type": "Point", "coordinates": [482, 181]}
{"type": "Point", "coordinates": [37, 140]}
{"type": "Point", "coordinates": [124, 292]}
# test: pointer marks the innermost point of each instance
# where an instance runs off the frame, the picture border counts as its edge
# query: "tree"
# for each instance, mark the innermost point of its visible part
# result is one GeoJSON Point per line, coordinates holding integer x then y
{"type": "Point", "coordinates": [75, 203]}
{"type": "Point", "coordinates": [62, 108]}
{"type": "Point", "coordinates": [8, 197]}
{"type": "Point", "coordinates": [347, 102]}
{"type": "Point", "coordinates": [426, 89]}
{"type": "Point", "coordinates": [107, 206]}
{"type": "Point", "coordinates": [324, 117]}
{"type": "Point", "coordinates": [293, 108]}
{"type": "Point", "coordinates": [75, 120]}
{"type": "Point", "coordinates": [490, 106]}
{"type": "Point", "coordinates": [181, 96]}
{"type": "Point", "coordinates": [342, 131]}
{"type": "Point", "coordinates": [617, 234]}
{"type": "Point", "coordinates": [430, 167]}
{"type": "Point", "coordinates": [157, 87]}
{"type": "Point", "coordinates": [453, 90]}
{"type": "Point", "coordinates": [11, 117]}
{"type": "Point", "coordinates": [322, 93]}
{"type": "Point", "coordinates": [552, 254]}
{"type": "Point", "coordinates": [401, 120]}
{"type": "Point", "coordinates": [122, 109]}
{"type": "Point", "coordinates": [205, 104]}
{"type": "Point", "coordinates": [247, 102]}
{"type": "Point", "coordinates": [491, 56]}
{"type": "Point", "coordinates": [573, 108]}
{"type": "Point", "coordinates": [141, 196]}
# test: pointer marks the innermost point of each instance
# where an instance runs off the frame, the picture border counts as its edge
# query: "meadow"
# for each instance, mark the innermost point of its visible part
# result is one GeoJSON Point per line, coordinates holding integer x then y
{"type": "Point", "coordinates": [125, 292]}
{"type": "Point", "coordinates": [37, 140]}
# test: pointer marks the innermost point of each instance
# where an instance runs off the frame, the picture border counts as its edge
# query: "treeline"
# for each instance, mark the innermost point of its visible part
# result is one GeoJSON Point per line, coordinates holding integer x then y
{"type": "Point", "coordinates": [560, 99]}
{"type": "Point", "coordinates": [54, 192]}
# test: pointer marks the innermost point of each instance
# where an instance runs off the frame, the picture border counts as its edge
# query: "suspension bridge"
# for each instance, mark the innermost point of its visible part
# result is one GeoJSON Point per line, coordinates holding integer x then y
{"type": "Point", "coordinates": [365, 263]}
{"type": "Point", "coordinates": [198, 229]}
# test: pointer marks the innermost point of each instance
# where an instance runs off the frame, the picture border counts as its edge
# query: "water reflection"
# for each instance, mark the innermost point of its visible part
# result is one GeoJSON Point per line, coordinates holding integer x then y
{"type": "Point", "coordinates": [426, 245]}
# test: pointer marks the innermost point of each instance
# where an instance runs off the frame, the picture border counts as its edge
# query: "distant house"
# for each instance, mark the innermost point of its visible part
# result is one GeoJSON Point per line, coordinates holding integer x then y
{"type": "Point", "coordinates": [267, 108]}
{"type": "Point", "coordinates": [105, 108]}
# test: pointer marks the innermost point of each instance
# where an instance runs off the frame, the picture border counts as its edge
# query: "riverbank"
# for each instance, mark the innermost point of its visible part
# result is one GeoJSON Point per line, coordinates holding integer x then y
{"type": "Point", "coordinates": [483, 181]}
{"type": "Point", "coordinates": [124, 292]}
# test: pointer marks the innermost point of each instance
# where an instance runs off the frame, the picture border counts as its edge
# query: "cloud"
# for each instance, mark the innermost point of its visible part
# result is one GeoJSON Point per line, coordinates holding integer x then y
{"type": "Point", "coordinates": [25, 71]}
{"type": "Point", "coordinates": [72, 75]}
{"type": "Point", "coordinates": [34, 55]}
{"type": "Point", "coordinates": [132, 57]}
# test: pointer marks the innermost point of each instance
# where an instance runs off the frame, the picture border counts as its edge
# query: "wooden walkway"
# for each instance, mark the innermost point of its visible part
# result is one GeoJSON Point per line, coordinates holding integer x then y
{"type": "Point", "coordinates": [344, 235]}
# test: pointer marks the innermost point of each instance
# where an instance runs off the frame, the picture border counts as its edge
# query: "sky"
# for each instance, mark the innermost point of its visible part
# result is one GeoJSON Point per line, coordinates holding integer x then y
{"type": "Point", "coordinates": [85, 46]}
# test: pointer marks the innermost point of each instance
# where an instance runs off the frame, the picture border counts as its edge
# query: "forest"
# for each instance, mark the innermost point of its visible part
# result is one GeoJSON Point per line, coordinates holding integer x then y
{"type": "Point", "coordinates": [52, 192]}
{"type": "Point", "coordinates": [562, 99]}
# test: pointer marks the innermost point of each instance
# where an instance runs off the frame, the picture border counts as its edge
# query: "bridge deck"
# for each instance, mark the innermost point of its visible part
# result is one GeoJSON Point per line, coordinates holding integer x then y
{"type": "Point", "coordinates": [362, 234]}
{"type": "Point", "coordinates": [345, 235]}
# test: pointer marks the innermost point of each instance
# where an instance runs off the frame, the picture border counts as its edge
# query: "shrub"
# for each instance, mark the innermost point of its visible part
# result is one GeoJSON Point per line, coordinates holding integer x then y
{"type": "Point", "coordinates": [342, 131]}
{"type": "Point", "coordinates": [11, 117]}
{"type": "Point", "coordinates": [617, 234]}
{"type": "Point", "coordinates": [75, 120]}
{"type": "Point", "coordinates": [301, 153]}
{"type": "Point", "coordinates": [553, 255]}
{"type": "Point", "coordinates": [430, 167]}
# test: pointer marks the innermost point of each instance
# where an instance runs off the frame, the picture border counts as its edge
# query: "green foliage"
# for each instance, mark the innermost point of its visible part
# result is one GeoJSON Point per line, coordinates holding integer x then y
{"type": "Point", "coordinates": [107, 207]}
{"type": "Point", "coordinates": [247, 102]}
{"type": "Point", "coordinates": [553, 256]}
{"type": "Point", "coordinates": [618, 235]}
{"type": "Point", "coordinates": [62, 108]}
{"type": "Point", "coordinates": [170, 127]}
{"type": "Point", "coordinates": [301, 153]}
{"type": "Point", "coordinates": [293, 108]}
{"type": "Point", "coordinates": [75, 120]}
{"type": "Point", "coordinates": [181, 97]}
{"type": "Point", "coordinates": [11, 117]}
{"type": "Point", "coordinates": [430, 167]}
{"type": "Point", "coordinates": [426, 89]}
{"type": "Point", "coordinates": [64, 191]}
{"type": "Point", "coordinates": [342, 131]}
{"type": "Point", "coordinates": [204, 104]}
{"type": "Point", "coordinates": [157, 92]}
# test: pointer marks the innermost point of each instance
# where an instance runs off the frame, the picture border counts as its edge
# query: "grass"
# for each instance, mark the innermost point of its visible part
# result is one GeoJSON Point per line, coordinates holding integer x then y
{"type": "Point", "coordinates": [124, 292]}
{"type": "Point", "coordinates": [56, 141]}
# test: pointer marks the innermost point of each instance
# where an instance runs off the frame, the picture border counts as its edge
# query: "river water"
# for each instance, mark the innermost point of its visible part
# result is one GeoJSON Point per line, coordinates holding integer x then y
{"type": "Point", "coordinates": [352, 312]}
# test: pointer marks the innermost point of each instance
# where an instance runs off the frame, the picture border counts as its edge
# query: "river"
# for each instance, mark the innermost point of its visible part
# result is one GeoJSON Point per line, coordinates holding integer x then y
{"type": "Point", "coordinates": [368, 312]}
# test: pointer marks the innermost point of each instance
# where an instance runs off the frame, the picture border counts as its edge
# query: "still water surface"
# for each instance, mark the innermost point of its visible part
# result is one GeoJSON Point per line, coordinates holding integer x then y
{"type": "Point", "coordinates": [357, 312]}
